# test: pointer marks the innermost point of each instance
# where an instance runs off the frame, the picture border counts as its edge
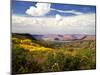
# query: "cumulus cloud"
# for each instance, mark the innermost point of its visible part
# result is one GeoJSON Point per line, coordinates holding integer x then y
{"type": "Point", "coordinates": [81, 24]}
{"type": "Point", "coordinates": [43, 8]}
{"type": "Point", "coordinates": [39, 10]}
{"type": "Point", "coordinates": [58, 17]}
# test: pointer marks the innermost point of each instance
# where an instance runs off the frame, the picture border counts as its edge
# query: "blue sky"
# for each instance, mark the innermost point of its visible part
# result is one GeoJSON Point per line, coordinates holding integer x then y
{"type": "Point", "coordinates": [52, 18]}
{"type": "Point", "coordinates": [20, 7]}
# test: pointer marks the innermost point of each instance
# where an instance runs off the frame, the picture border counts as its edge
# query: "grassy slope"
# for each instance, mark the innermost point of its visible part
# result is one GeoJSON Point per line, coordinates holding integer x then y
{"type": "Point", "coordinates": [30, 55]}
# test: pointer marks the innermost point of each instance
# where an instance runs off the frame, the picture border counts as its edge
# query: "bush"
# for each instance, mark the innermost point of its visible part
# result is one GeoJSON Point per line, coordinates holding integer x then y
{"type": "Point", "coordinates": [23, 61]}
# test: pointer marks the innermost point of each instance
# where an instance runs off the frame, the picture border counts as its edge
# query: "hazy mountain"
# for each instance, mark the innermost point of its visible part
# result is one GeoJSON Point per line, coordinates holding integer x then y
{"type": "Point", "coordinates": [66, 37]}
{"type": "Point", "coordinates": [54, 37]}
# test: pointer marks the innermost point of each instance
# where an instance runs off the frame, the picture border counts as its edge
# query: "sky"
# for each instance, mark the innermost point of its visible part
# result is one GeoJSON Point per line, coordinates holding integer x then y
{"type": "Point", "coordinates": [52, 18]}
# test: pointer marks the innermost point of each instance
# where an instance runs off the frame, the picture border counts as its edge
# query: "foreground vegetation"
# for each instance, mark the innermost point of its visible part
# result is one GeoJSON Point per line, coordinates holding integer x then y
{"type": "Point", "coordinates": [33, 56]}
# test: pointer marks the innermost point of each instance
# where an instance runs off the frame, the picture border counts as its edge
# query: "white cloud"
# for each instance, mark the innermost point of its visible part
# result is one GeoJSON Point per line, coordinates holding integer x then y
{"type": "Point", "coordinates": [39, 10]}
{"type": "Point", "coordinates": [43, 8]}
{"type": "Point", "coordinates": [81, 24]}
{"type": "Point", "coordinates": [58, 17]}
{"type": "Point", "coordinates": [71, 11]}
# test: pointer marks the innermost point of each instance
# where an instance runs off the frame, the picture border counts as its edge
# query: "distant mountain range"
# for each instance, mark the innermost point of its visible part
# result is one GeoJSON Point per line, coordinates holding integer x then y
{"type": "Point", "coordinates": [56, 37]}
{"type": "Point", "coordinates": [66, 37]}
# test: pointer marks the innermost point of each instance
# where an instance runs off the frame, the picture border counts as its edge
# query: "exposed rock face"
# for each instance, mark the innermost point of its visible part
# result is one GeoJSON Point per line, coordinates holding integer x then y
{"type": "Point", "coordinates": [90, 37]}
